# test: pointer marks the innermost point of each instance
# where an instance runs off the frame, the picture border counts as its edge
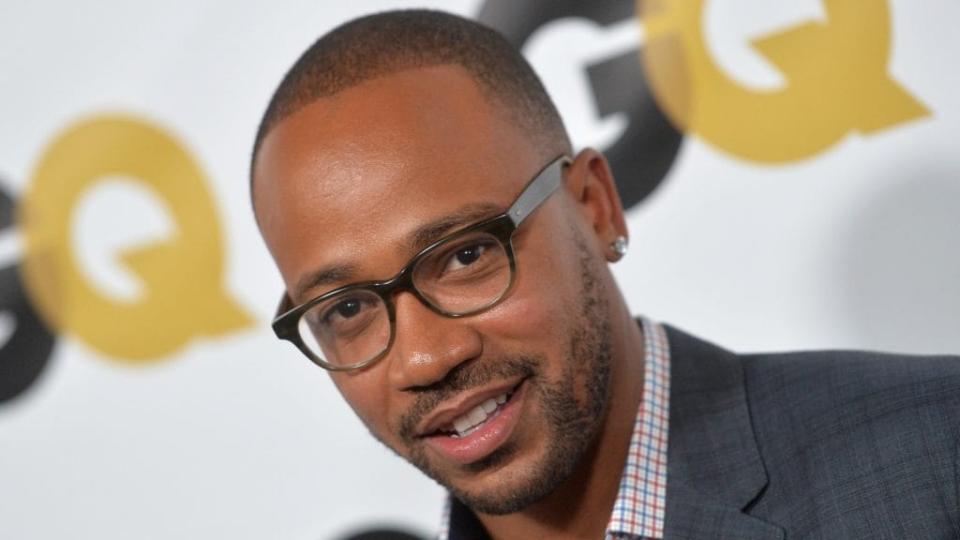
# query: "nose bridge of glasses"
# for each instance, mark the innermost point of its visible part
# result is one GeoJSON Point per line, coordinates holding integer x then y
{"type": "Point", "coordinates": [403, 282]}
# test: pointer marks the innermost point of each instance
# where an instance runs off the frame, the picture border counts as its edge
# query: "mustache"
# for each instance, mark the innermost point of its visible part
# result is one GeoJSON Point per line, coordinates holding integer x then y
{"type": "Point", "coordinates": [466, 376]}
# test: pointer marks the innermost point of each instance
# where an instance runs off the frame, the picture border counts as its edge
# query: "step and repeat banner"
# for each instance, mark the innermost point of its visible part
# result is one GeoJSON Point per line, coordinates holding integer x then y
{"type": "Point", "coordinates": [791, 172]}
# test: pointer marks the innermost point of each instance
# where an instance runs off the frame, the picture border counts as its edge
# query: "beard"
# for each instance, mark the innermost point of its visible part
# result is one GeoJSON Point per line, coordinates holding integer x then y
{"type": "Point", "coordinates": [573, 407]}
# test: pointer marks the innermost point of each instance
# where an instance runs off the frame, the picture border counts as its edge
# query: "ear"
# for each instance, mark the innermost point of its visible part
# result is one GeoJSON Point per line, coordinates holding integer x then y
{"type": "Point", "coordinates": [594, 191]}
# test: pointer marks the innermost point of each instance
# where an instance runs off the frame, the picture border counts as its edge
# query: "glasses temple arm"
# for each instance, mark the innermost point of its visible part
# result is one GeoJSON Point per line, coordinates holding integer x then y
{"type": "Point", "coordinates": [538, 190]}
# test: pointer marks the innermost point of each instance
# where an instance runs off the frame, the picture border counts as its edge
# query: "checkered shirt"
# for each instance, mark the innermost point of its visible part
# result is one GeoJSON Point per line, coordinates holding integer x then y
{"type": "Point", "coordinates": [639, 509]}
{"type": "Point", "coordinates": [641, 502]}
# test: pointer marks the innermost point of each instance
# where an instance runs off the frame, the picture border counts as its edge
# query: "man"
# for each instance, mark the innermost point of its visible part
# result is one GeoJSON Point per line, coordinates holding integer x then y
{"type": "Point", "coordinates": [445, 256]}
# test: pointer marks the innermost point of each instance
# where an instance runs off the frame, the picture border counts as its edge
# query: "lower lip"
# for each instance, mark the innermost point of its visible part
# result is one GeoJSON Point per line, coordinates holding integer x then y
{"type": "Point", "coordinates": [484, 440]}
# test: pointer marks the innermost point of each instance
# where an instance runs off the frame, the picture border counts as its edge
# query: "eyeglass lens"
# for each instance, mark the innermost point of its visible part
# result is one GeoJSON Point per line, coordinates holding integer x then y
{"type": "Point", "coordinates": [464, 275]}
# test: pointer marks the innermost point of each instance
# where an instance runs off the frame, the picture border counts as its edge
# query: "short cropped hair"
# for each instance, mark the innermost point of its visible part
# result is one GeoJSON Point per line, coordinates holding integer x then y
{"type": "Point", "coordinates": [393, 41]}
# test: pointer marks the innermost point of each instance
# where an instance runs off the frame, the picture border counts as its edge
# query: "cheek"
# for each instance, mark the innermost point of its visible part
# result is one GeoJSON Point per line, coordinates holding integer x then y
{"type": "Point", "coordinates": [543, 303]}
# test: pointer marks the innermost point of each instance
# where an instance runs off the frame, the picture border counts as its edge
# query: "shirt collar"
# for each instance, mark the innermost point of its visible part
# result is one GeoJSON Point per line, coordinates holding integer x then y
{"type": "Point", "coordinates": [641, 501]}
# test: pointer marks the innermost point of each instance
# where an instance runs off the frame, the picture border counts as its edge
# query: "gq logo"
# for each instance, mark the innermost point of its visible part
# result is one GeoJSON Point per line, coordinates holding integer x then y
{"type": "Point", "coordinates": [181, 278]}
{"type": "Point", "coordinates": [836, 71]}
{"type": "Point", "coordinates": [837, 82]}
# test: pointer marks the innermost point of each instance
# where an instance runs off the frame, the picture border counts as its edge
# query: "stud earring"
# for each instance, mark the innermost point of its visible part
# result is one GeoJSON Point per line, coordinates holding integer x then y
{"type": "Point", "coordinates": [619, 246]}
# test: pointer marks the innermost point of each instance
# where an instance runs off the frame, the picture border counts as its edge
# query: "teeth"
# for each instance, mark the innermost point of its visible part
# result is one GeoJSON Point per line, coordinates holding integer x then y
{"type": "Point", "coordinates": [489, 405]}
{"type": "Point", "coordinates": [477, 415]}
{"type": "Point", "coordinates": [462, 424]}
{"type": "Point", "coordinates": [466, 423]}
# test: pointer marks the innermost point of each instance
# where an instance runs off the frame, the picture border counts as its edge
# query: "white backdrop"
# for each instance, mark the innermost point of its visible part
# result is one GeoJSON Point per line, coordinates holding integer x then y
{"type": "Point", "coordinates": [233, 435]}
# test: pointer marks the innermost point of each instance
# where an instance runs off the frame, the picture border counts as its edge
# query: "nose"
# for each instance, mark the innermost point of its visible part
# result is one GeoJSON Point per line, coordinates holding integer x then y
{"type": "Point", "coordinates": [427, 345]}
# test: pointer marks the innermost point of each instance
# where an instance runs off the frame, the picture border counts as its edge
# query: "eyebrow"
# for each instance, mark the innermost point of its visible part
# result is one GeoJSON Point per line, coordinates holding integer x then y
{"type": "Point", "coordinates": [416, 241]}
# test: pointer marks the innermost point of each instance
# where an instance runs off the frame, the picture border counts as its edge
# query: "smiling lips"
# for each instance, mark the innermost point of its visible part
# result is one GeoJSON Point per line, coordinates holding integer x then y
{"type": "Point", "coordinates": [468, 423]}
{"type": "Point", "coordinates": [475, 434]}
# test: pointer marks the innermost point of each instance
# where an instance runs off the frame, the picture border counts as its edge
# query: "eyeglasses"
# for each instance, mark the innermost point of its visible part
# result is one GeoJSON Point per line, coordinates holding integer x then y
{"type": "Point", "coordinates": [462, 274]}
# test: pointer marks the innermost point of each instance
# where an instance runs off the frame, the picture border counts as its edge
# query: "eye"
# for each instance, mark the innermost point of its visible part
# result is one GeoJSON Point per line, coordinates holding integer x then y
{"type": "Point", "coordinates": [465, 256]}
{"type": "Point", "coordinates": [345, 316]}
{"type": "Point", "coordinates": [346, 309]}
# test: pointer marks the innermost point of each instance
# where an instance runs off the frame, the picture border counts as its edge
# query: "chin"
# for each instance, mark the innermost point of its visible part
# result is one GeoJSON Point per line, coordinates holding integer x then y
{"type": "Point", "coordinates": [506, 481]}
{"type": "Point", "coordinates": [505, 489]}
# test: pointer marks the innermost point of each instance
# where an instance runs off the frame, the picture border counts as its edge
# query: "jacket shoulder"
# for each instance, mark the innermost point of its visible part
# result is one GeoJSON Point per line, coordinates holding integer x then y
{"type": "Point", "coordinates": [852, 386]}
{"type": "Point", "coordinates": [872, 438]}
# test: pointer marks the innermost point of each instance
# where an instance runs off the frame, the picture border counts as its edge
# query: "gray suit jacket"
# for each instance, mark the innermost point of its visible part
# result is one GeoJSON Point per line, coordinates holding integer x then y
{"type": "Point", "coordinates": [834, 445]}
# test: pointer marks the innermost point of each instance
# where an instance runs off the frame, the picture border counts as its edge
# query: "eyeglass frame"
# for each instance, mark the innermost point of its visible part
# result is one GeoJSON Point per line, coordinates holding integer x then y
{"type": "Point", "coordinates": [503, 226]}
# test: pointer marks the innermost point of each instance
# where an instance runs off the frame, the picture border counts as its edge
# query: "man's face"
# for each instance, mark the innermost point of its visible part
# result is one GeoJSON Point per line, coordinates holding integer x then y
{"type": "Point", "coordinates": [359, 182]}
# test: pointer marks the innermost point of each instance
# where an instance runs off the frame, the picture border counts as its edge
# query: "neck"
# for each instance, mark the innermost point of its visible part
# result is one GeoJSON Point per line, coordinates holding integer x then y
{"type": "Point", "coordinates": [581, 505]}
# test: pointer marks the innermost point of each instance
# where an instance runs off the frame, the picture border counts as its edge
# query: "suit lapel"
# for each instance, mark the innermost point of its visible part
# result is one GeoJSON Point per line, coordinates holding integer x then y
{"type": "Point", "coordinates": [714, 470]}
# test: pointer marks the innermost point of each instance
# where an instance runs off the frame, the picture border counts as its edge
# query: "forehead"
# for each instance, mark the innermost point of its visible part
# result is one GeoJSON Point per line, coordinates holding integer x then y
{"type": "Point", "coordinates": [349, 176]}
